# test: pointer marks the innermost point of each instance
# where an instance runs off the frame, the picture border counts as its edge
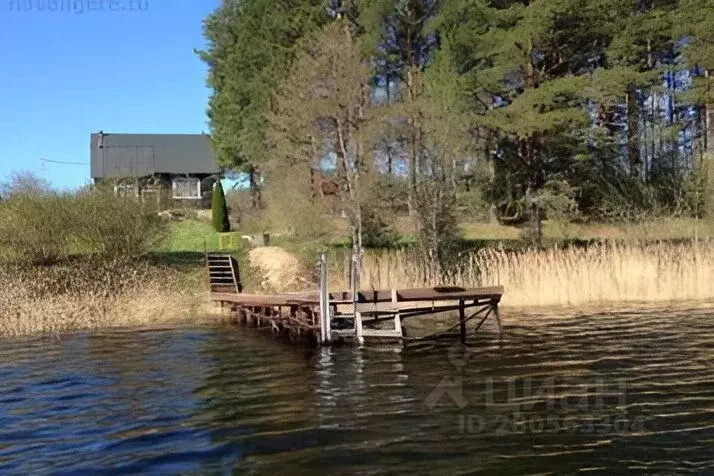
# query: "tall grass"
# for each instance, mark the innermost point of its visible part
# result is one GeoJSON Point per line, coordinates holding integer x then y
{"type": "Point", "coordinates": [599, 274]}
{"type": "Point", "coordinates": [89, 296]}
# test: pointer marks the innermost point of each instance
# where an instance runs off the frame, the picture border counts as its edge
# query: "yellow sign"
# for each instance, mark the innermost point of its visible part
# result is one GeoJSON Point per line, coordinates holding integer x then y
{"type": "Point", "coordinates": [228, 241]}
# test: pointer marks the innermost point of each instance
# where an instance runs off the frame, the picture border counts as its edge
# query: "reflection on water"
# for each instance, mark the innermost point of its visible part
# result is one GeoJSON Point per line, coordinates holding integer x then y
{"type": "Point", "coordinates": [600, 392]}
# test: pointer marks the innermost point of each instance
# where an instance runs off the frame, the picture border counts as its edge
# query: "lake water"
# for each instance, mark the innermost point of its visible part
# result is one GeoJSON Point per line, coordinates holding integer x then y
{"type": "Point", "coordinates": [602, 393]}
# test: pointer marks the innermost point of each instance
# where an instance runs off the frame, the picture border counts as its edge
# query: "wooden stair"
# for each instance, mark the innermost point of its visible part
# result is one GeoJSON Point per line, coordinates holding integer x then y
{"type": "Point", "coordinates": [223, 273]}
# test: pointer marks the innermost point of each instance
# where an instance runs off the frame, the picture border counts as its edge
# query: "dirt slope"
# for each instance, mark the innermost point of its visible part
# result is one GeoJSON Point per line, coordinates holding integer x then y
{"type": "Point", "coordinates": [282, 271]}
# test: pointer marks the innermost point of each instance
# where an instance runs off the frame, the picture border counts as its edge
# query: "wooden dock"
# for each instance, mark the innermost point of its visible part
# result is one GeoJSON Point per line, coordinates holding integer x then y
{"type": "Point", "coordinates": [329, 317]}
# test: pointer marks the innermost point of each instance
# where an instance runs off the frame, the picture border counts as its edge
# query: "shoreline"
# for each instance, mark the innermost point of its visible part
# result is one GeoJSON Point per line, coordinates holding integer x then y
{"type": "Point", "coordinates": [525, 316]}
{"type": "Point", "coordinates": [83, 294]}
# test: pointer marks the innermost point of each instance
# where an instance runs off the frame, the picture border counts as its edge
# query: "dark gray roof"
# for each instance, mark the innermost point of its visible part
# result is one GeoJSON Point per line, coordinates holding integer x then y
{"type": "Point", "coordinates": [136, 155]}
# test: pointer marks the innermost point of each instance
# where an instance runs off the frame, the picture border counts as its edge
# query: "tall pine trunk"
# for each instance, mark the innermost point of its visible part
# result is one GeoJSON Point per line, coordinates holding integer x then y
{"type": "Point", "coordinates": [414, 137]}
{"type": "Point", "coordinates": [531, 156]}
{"type": "Point", "coordinates": [707, 162]}
{"type": "Point", "coordinates": [254, 187]}
{"type": "Point", "coordinates": [633, 132]}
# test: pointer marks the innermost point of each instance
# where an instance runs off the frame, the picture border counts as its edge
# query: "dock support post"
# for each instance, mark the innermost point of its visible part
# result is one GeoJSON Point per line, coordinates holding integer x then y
{"type": "Point", "coordinates": [497, 315]}
{"type": "Point", "coordinates": [325, 331]}
{"type": "Point", "coordinates": [462, 321]}
{"type": "Point", "coordinates": [358, 327]}
{"type": "Point", "coordinates": [353, 285]}
{"type": "Point", "coordinates": [398, 325]}
{"type": "Point", "coordinates": [241, 315]}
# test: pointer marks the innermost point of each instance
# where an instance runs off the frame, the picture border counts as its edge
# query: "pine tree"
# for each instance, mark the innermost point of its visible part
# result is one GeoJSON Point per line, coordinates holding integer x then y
{"type": "Point", "coordinates": [446, 145]}
{"type": "Point", "coordinates": [696, 22]}
{"type": "Point", "coordinates": [643, 41]}
{"type": "Point", "coordinates": [527, 64]}
{"type": "Point", "coordinates": [566, 101]}
{"type": "Point", "coordinates": [404, 46]}
{"type": "Point", "coordinates": [251, 45]}
{"type": "Point", "coordinates": [219, 209]}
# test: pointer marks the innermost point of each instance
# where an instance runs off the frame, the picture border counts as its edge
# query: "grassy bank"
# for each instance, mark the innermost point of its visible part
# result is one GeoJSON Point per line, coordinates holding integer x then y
{"type": "Point", "coordinates": [75, 281]}
{"type": "Point", "coordinates": [553, 231]}
{"type": "Point", "coordinates": [88, 260]}
{"type": "Point", "coordinates": [189, 235]}
{"type": "Point", "coordinates": [337, 231]}
{"type": "Point", "coordinates": [89, 291]}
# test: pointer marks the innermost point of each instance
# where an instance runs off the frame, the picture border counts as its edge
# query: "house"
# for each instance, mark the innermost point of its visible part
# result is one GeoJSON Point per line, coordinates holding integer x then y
{"type": "Point", "coordinates": [173, 169]}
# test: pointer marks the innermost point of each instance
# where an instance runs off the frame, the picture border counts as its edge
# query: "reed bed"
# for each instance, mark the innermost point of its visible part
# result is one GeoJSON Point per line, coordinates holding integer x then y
{"type": "Point", "coordinates": [599, 274]}
{"type": "Point", "coordinates": [90, 296]}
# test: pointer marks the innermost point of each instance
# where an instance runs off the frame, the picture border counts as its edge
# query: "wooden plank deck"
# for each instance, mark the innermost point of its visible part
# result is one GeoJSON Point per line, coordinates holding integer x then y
{"type": "Point", "coordinates": [365, 296]}
{"type": "Point", "coordinates": [265, 299]}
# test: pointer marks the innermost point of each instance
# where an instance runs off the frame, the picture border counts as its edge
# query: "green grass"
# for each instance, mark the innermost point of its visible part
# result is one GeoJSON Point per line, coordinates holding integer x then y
{"type": "Point", "coordinates": [187, 239]}
{"type": "Point", "coordinates": [190, 236]}
{"type": "Point", "coordinates": [184, 246]}
{"type": "Point", "coordinates": [664, 229]}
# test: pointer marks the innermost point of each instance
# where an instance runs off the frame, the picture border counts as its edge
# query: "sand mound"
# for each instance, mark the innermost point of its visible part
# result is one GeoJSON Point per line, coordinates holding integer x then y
{"type": "Point", "coordinates": [282, 271]}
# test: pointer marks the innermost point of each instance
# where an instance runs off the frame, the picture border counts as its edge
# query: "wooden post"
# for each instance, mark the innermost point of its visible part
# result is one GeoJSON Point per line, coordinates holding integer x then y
{"type": "Point", "coordinates": [498, 320]}
{"type": "Point", "coordinates": [322, 301]}
{"type": "Point", "coordinates": [326, 294]}
{"type": "Point", "coordinates": [398, 324]}
{"type": "Point", "coordinates": [325, 331]}
{"type": "Point", "coordinates": [358, 327]}
{"type": "Point", "coordinates": [397, 318]}
{"type": "Point", "coordinates": [462, 321]}
{"type": "Point", "coordinates": [355, 314]}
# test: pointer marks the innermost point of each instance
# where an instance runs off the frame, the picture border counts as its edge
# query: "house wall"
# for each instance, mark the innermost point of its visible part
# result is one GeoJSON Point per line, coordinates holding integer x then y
{"type": "Point", "coordinates": [160, 188]}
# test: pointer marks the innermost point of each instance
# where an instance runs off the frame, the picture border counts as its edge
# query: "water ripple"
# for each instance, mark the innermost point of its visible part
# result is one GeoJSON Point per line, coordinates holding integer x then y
{"type": "Point", "coordinates": [598, 393]}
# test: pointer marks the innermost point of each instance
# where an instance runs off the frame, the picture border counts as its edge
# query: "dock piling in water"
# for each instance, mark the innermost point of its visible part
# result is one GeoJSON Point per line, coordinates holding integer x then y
{"type": "Point", "coordinates": [325, 318]}
{"type": "Point", "coordinates": [462, 321]}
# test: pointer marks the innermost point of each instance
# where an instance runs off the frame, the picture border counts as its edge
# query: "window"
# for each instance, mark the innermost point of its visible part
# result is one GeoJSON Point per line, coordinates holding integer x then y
{"type": "Point", "coordinates": [186, 187]}
{"type": "Point", "coordinates": [126, 189]}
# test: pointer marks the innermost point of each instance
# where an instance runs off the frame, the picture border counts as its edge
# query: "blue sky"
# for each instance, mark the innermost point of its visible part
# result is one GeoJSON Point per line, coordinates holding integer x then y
{"type": "Point", "coordinates": [73, 67]}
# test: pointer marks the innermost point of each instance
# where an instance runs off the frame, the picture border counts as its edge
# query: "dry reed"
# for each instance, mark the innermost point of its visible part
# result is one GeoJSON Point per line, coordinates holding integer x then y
{"type": "Point", "coordinates": [600, 274]}
{"type": "Point", "coordinates": [90, 296]}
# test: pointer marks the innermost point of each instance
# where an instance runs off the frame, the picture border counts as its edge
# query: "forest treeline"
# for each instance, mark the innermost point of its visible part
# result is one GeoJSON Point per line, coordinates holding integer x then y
{"type": "Point", "coordinates": [516, 110]}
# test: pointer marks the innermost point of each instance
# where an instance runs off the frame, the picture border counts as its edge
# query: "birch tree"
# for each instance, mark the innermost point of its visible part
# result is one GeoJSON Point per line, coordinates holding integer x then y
{"type": "Point", "coordinates": [322, 115]}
